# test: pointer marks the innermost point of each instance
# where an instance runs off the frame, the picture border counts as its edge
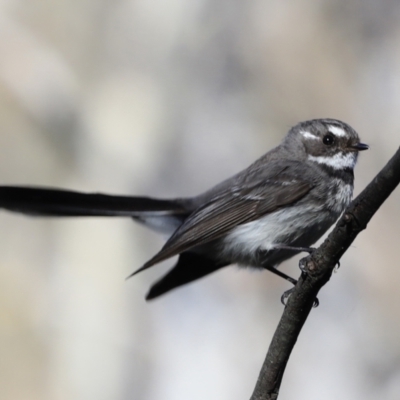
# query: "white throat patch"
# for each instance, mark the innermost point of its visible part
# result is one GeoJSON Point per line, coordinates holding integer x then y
{"type": "Point", "coordinates": [338, 161]}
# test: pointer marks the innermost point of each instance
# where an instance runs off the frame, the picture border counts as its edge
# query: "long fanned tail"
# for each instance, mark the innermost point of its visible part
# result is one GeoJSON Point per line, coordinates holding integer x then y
{"type": "Point", "coordinates": [66, 203]}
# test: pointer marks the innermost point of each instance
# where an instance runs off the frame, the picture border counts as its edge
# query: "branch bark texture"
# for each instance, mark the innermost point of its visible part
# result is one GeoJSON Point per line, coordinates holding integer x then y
{"type": "Point", "coordinates": [318, 269]}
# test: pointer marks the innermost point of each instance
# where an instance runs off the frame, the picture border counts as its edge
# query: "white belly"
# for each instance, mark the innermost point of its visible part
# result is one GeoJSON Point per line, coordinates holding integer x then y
{"type": "Point", "coordinates": [293, 226]}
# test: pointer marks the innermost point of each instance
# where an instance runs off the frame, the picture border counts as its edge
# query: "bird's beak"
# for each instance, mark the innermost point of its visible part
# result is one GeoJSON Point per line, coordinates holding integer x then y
{"type": "Point", "coordinates": [359, 147]}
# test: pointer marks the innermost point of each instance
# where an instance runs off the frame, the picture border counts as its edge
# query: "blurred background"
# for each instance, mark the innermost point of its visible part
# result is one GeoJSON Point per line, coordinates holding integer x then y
{"type": "Point", "coordinates": [167, 98]}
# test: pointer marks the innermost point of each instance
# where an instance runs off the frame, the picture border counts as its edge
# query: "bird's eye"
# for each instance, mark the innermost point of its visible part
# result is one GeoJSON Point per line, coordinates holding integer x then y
{"type": "Point", "coordinates": [328, 139]}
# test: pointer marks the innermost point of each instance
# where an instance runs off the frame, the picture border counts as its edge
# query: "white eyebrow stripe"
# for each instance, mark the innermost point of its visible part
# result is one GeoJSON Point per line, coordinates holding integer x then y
{"type": "Point", "coordinates": [337, 131]}
{"type": "Point", "coordinates": [338, 161]}
{"type": "Point", "coordinates": [309, 135]}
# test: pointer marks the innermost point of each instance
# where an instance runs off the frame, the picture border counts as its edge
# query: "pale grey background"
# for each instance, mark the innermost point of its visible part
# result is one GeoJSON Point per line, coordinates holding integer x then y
{"type": "Point", "coordinates": [166, 98]}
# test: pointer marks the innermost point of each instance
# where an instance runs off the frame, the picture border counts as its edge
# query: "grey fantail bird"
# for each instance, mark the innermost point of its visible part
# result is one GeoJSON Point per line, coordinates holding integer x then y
{"type": "Point", "coordinates": [282, 203]}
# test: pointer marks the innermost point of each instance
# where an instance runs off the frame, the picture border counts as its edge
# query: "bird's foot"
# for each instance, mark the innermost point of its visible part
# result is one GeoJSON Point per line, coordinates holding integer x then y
{"type": "Point", "coordinates": [337, 266]}
{"type": "Point", "coordinates": [287, 294]}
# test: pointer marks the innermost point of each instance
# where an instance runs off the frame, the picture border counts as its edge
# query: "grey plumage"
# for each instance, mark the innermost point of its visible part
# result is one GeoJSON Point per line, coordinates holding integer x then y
{"type": "Point", "coordinates": [288, 197]}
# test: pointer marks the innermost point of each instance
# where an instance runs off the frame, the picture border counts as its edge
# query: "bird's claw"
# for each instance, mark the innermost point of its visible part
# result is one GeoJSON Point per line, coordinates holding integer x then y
{"type": "Point", "coordinates": [303, 267]}
{"type": "Point", "coordinates": [337, 266]}
{"type": "Point", "coordinates": [287, 294]}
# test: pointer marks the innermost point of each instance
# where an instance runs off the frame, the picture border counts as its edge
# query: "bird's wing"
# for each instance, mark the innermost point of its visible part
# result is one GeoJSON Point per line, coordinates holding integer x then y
{"type": "Point", "coordinates": [229, 209]}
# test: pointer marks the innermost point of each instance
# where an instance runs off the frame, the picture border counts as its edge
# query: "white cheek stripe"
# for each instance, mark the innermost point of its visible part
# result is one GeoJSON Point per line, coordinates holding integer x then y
{"type": "Point", "coordinates": [338, 161]}
{"type": "Point", "coordinates": [309, 135]}
{"type": "Point", "coordinates": [339, 132]}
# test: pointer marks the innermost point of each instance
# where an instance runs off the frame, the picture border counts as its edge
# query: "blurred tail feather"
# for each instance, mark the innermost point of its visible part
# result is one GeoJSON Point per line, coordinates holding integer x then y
{"type": "Point", "coordinates": [66, 203]}
{"type": "Point", "coordinates": [190, 266]}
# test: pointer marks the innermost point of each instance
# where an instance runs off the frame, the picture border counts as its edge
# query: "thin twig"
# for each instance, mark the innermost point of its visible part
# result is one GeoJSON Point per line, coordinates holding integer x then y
{"type": "Point", "coordinates": [319, 267]}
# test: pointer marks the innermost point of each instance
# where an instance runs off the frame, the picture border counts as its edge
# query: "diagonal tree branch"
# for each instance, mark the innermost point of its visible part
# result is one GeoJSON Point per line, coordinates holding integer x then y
{"type": "Point", "coordinates": [318, 269]}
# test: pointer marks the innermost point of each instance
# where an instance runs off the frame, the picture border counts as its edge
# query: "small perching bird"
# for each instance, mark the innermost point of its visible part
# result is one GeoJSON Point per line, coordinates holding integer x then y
{"type": "Point", "coordinates": [278, 206]}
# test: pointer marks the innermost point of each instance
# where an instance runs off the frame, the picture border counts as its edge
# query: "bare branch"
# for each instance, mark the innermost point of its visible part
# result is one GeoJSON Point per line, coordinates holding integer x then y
{"type": "Point", "coordinates": [318, 270]}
